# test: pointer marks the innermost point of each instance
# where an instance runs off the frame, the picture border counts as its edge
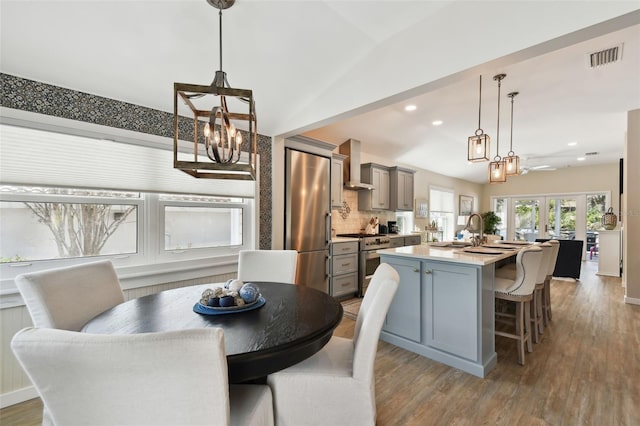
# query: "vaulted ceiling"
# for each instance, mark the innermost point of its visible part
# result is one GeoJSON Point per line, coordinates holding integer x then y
{"type": "Point", "coordinates": [346, 69]}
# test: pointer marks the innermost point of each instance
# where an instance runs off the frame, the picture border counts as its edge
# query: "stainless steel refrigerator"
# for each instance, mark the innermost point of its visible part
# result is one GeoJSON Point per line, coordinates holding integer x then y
{"type": "Point", "coordinates": [308, 216]}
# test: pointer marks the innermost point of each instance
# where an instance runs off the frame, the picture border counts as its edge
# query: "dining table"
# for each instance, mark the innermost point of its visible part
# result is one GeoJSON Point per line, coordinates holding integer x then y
{"type": "Point", "coordinates": [294, 323]}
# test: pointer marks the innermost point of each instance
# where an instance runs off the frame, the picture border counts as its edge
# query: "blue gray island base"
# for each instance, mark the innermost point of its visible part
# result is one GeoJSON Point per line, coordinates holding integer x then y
{"type": "Point", "coordinates": [444, 308]}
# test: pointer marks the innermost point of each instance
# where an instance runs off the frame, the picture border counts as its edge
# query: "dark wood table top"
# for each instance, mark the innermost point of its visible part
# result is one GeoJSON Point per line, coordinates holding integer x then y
{"type": "Point", "coordinates": [294, 323]}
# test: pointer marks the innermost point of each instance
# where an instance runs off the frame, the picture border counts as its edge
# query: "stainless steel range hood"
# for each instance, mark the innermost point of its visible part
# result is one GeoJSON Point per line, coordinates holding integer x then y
{"type": "Point", "coordinates": [351, 149]}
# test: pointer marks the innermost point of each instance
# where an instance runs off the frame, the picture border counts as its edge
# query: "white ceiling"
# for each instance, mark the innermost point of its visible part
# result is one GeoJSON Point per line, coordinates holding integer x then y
{"type": "Point", "coordinates": [345, 69]}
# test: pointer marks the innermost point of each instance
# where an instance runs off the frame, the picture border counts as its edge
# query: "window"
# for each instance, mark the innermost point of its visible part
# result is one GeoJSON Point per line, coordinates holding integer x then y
{"type": "Point", "coordinates": [61, 224]}
{"type": "Point", "coordinates": [201, 222]}
{"type": "Point", "coordinates": [441, 209]}
{"type": "Point", "coordinates": [57, 223]}
{"type": "Point", "coordinates": [92, 197]}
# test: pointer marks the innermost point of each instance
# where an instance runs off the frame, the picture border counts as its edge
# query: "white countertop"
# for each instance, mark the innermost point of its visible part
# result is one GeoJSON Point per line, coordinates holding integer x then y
{"type": "Point", "coordinates": [343, 239]}
{"type": "Point", "coordinates": [448, 254]}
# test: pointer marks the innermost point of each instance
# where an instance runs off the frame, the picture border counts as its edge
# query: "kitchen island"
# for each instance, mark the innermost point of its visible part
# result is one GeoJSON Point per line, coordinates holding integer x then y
{"type": "Point", "coordinates": [444, 306]}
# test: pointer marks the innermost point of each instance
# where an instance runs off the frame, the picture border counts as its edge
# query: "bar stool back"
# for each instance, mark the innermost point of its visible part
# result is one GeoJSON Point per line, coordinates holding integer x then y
{"type": "Point", "coordinates": [536, 306]}
{"type": "Point", "coordinates": [546, 292]}
{"type": "Point", "coordinates": [520, 293]}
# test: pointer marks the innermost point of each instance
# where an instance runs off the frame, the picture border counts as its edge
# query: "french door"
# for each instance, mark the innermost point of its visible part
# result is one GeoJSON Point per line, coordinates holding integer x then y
{"type": "Point", "coordinates": [559, 216]}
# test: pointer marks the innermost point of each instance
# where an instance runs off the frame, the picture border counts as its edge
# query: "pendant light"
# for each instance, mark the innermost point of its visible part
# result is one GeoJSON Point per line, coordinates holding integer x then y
{"type": "Point", "coordinates": [512, 161]}
{"type": "Point", "coordinates": [497, 172]}
{"type": "Point", "coordinates": [217, 148]}
{"type": "Point", "coordinates": [479, 144]}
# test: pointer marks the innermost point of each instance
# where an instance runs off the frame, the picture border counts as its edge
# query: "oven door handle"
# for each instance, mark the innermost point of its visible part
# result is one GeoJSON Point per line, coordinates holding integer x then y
{"type": "Point", "coordinates": [371, 255]}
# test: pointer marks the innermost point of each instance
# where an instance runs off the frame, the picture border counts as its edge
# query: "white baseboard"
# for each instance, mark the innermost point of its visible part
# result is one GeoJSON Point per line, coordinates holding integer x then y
{"type": "Point", "coordinates": [15, 397]}
{"type": "Point", "coordinates": [631, 300]}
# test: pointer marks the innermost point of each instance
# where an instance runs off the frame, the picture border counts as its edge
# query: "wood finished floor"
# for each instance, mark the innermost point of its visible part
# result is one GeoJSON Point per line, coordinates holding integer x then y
{"type": "Point", "coordinates": [586, 371]}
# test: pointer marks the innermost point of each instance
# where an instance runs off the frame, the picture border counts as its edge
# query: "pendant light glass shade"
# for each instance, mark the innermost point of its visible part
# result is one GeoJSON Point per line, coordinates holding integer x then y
{"type": "Point", "coordinates": [512, 164]}
{"type": "Point", "coordinates": [497, 171]}
{"type": "Point", "coordinates": [479, 144]}
{"type": "Point", "coordinates": [512, 161]}
{"type": "Point", "coordinates": [497, 168]}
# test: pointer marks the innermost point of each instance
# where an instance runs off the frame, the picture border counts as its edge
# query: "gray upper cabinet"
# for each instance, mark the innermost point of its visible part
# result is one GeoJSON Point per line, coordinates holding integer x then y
{"type": "Point", "coordinates": [378, 198]}
{"type": "Point", "coordinates": [337, 176]}
{"type": "Point", "coordinates": [401, 189]}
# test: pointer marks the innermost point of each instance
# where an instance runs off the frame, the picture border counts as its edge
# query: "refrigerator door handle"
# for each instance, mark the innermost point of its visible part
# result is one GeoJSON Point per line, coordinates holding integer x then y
{"type": "Point", "coordinates": [327, 229]}
{"type": "Point", "coordinates": [327, 266]}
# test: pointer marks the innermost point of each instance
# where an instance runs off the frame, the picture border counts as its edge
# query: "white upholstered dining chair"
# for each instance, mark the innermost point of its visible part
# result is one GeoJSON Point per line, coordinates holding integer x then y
{"type": "Point", "coordinates": [336, 386]}
{"type": "Point", "coordinates": [268, 265]}
{"type": "Point", "coordinates": [66, 298]}
{"type": "Point", "coordinates": [169, 378]}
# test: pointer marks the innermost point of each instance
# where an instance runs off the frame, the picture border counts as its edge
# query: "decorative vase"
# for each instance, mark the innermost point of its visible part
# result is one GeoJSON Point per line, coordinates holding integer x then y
{"type": "Point", "coordinates": [609, 220]}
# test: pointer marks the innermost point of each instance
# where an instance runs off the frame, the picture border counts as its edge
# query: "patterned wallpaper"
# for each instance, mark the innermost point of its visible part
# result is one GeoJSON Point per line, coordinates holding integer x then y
{"type": "Point", "coordinates": [34, 96]}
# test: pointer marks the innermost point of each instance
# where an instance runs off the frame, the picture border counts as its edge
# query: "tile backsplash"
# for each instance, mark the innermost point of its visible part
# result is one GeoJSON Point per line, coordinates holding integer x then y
{"type": "Point", "coordinates": [349, 219]}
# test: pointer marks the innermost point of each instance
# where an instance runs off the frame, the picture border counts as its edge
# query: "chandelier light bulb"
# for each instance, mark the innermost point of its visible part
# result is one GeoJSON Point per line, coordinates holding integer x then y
{"type": "Point", "coordinates": [238, 139]}
{"type": "Point", "coordinates": [478, 147]}
{"type": "Point", "coordinates": [207, 130]}
{"type": "Point", "coordinates": [216, 137]}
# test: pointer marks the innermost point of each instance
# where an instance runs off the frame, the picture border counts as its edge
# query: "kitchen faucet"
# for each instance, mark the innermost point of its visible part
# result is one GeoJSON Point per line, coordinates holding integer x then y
{"type": "Point", "coordinates": [476, 240]}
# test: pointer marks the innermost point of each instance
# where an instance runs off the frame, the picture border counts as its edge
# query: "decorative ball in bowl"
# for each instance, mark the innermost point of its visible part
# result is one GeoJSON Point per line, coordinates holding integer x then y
{"type": "Point", "coordinates": [249, 292]}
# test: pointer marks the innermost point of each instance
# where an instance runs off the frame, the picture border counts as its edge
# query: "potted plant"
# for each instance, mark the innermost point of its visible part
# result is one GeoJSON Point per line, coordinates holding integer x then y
{"type": "Point", "coordinates": [491, 222]}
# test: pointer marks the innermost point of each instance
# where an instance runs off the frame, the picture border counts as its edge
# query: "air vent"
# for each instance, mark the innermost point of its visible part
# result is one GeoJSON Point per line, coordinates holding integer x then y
{"type": "Point", "coordinates": [606, 56]}
{"type": "Point", "coordinates": [591, 153]}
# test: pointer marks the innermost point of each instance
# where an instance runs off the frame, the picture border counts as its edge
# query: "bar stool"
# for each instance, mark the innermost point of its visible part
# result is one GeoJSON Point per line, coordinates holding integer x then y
{"type": "Point", "coordinates": [520, 293]}
{"type": "Point", "coordinates": [546, 292]}
{"type": "Point", "coordinates": [537, 313]}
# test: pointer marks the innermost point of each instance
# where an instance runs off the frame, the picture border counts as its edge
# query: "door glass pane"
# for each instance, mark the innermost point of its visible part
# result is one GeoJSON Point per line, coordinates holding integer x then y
{"type": "Point", "coordinates": [596, 208]}
{"type": "Point", "coordinates": [527, 216]}
{"type": "Point", "coordinates": [500, 209]}
{"type": "Point", "coordinates": [562, 218]}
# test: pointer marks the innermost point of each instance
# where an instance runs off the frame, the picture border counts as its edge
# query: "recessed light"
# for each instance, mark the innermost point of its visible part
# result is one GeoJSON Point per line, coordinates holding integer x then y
{"type": "Point", "coordinates": [572, 143]}
{"type": "Point", "coordinates": [436, 122]}
{"type": "Point", "coordinates": [410, 108]}
{"type": "Point", "coordinates": [580, 158]}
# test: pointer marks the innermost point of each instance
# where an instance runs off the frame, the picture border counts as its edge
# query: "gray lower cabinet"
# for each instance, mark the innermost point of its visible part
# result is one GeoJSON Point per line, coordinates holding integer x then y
{"type": "Point", "coordinates": [451, 308]}
{"type": "Point", "coordinates": [436, 313]}
{"type": "Point", "coordinates": [403, 318]}
{"type": "Point", "coordinates": [396, 242]}
{"type": "Point", "coordinates": [344, 269]}
{"type": "Point", "coordinates": [412, 240]}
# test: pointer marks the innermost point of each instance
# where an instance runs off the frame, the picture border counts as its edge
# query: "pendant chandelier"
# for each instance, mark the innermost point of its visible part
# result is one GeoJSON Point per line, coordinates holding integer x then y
{"type": "Point", "coordinates": [218, 149]}
{"type": "Point", "coordinates": [512, 161]}
{"type": "Point", "coordinates": [497, 172]}
{"type": "Point", "coordinates": [478, 145]}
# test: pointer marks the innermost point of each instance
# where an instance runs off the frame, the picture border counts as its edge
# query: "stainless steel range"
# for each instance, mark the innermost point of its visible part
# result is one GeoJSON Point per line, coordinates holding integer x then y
{"type": "Point", "coordinates": [368, 259]}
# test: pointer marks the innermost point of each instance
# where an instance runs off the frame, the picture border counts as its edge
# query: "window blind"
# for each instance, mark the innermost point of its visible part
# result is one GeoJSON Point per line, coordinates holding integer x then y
{"type": "Point", "coordinates": [441, 200]}
{"type": "Point", "coordinates": [43, 158]}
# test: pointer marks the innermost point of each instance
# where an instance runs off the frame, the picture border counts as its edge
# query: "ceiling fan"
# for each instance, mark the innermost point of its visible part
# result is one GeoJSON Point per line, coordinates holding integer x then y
{"type": "Point", "coordinates": [542, 168]}
{"type": "Point", "coordinates": [544, 163]}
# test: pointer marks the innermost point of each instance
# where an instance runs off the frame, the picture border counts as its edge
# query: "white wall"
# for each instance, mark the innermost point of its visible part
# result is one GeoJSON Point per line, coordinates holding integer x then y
{"type": "Point", "coordinates": [597, 178]}
{"type": "Point", "coordinates": [631, 210]}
